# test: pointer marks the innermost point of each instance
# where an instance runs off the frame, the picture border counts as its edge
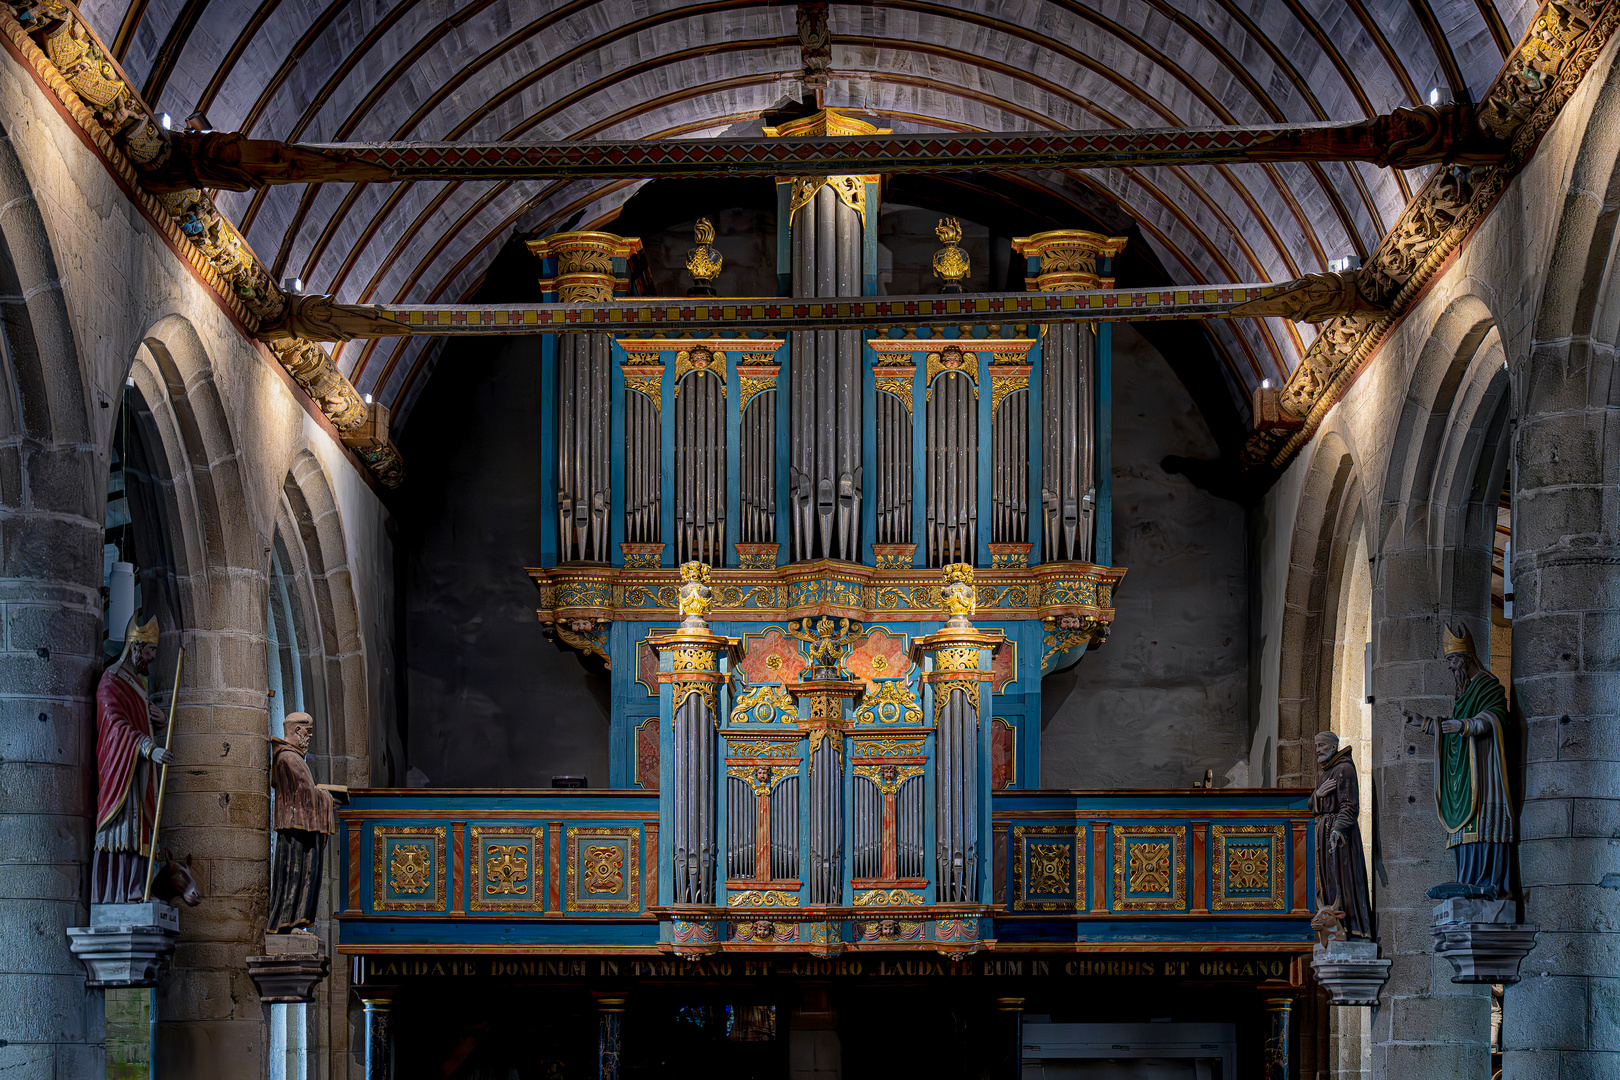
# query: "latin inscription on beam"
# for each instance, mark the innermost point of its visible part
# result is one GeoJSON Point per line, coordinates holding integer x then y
{"type": "Point", "coordinates": [393, 969]}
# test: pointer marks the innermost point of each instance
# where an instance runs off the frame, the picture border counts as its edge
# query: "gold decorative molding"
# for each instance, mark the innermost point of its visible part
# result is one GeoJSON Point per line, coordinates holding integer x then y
{"type": "Point", "coordinates": [71, 62]}
{"type": "Point", "coordinates": [888, 786]}
{"type": "Point", "coordinates": [584, 262]}
{"type": "Point", "coordinates": [1068, 259]}
{"type": "Point", "coordinates": [892, 702]}
{"type": "Point", "coordinates": [1538, 79]}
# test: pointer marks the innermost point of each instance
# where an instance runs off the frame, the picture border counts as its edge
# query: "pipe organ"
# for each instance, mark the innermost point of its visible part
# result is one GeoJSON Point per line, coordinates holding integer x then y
{"type": "Point", "coordinates": [826, 572]}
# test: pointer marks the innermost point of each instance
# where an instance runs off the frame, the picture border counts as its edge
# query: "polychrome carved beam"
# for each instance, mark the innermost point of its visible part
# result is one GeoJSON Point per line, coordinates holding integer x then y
{"type": "Point", "coordinates": [320, 318]}
{"type": "Point", "coordinates": [1562, 43]}
{"type": "Point", "coordinates": [1403, 139]}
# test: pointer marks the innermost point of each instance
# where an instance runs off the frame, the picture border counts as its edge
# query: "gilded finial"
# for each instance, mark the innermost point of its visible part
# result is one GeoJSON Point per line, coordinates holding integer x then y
{"type": "Point", "coordinates": [703, 262]}
{"type": "Point", "coordinates": [951, 263]}
{"type": "Point", "coordinates": [695, 596]}
{"type": "Point", "coordinates": [957, 596]}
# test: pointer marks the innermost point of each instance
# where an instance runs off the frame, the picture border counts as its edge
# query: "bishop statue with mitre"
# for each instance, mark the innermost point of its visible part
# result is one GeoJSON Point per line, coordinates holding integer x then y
{"type": "Point", "coordinates": [1471, 787]}
{"type": "Point", "coordinates": [126, 773]}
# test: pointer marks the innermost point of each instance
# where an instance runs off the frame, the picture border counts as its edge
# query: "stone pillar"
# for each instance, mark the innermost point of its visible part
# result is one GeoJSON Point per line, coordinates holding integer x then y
{"type": "Point", "coordinates": [1560, 1019]}
{"type": "Point", "coordinates": [610, 1028]}
{"type": "Point", "coordinates": [217, 810]}
{"type": "Point", "coordinates": [1426, 1025]}
{"type": "Point", "coordinates": [51, 497]}
{"type": "Point", "coordinates": [1009, 1063]}
{"type": "Point", "coordinates": [379, 1008]}
{"type": "Point", "coordinates": [1276, 1062]}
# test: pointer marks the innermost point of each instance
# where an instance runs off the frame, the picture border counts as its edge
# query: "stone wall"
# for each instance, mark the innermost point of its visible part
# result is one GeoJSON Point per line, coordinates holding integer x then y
{"type": "Point", "coordinates": [1167, 697]}
{"type": "Point", "coordinates": [96, 296]}
{"type": "Point", "coordinates": [1503, 368]}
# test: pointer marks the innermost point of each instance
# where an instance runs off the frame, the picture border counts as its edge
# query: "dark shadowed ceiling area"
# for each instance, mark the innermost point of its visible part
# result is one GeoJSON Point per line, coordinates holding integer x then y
{"type": "Point", "coordinates": [370, 70]}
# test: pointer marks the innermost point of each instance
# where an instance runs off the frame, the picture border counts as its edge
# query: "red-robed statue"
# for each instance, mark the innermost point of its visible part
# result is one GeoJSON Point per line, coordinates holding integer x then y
{"type": "Point", "coordinates": [126, 771]}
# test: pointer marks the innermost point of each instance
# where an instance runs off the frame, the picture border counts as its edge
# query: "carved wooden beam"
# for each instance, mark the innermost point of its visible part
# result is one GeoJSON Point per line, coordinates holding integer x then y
{"type": "Point", "coordinates": [1404, 139]}
{"type": "Point", "coordinates": [1560, 46]}
{"type": "Point", "coordinates": [51, 38]}
{"type": "Point", "coordinates": [320, 318]}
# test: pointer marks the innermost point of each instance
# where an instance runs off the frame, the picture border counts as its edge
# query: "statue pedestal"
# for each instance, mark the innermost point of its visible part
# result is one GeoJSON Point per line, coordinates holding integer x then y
{"type": "Point", "coordinates": [1350, 971]}
{"type": "Point", "coordinates": [1481, 940]}
{"type": "Point", "coordinates": [290, 968]}
{"type": "Point", "coordinates": [126, 944]}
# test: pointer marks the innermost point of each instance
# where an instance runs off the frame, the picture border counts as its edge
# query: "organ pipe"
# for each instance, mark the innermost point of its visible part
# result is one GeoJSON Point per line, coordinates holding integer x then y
{"type": "Point", "coordinates": [1068, 482]}
{"type": "Point", "coordinates": [642, 475]}
{"type": "Point", "coordinates": [758, 464]}
{"type": "Point", "coordinates": [824, 471]}
{"type": "Point", "coordinates": [826, 824]}
{"type": "Point", "coordinates": [583, 413]}
{"type": "Point", "coordinates": [700, 469]}
{"type": "Point", "coordinates": [784, 859]}
{"type": "Point", "coordinates": [952, 446]}
{"type": "Point", "coordinates": [1009, 498]}
{"type": "Point", "coordinates": [894, 470]}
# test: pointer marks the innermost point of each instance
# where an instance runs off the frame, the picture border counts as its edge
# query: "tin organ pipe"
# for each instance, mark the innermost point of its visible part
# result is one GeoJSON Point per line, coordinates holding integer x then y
{"type": "Point", "coordinates": [739, 828]}
{"type": "Point", "coordinates": [1069, 480]}
{"type": "Point", "coordinates": [785, 829]}
{"type": "Point", "coordinates": [825, 472]}
{"type": "Point", "coordinates": [1011, 455]}
{"type": "Point", "coordinates": [700, 456]}
{"type": "Point", "coordinates": [826, 825]}
{"type": "Point", "coordinates": [953, 435]}
{"type": "Point", "coordinates": [641, 469]}
{"type": "Point", "coordinates": [894, 452]}
{"type": "Point", "coordinates": [868, 829]}
{"type": "Point", "coordinates": [908, 832]}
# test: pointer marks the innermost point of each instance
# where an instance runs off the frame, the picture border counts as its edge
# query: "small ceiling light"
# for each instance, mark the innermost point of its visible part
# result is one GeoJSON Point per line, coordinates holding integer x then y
{"type": "Point", "coordinates": [293, 284]}
{"type": "Point", "coordinates": [168, 125]}
{"type": "Point", "coordinates": [368, 399]}
{"type": "Point", "coordinates": [1265, 384]}
{"type": "Point", "coordinates": [1434, 95]}
{"type": "Point", "coordinates": [1348, 263]}
{"type": "Point", "coordinates": [129, 380]}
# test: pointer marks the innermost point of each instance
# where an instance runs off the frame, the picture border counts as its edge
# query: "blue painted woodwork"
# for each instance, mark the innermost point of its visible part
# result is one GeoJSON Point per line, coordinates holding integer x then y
{"type": "Point", "coordinates": [446, 912]}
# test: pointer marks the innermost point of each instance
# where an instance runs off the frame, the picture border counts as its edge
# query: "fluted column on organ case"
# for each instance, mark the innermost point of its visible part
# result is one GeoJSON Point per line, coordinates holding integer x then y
{"type": "Point", "coordinates": [695, 665]}
{"type": "Point", "coordinates": [586, 273]}
{"type": "Point", "coordinates": [824, 716]}
{"type": "Point", "coordinates": [827, 221]}
{"type": "Point", "coordinates": [1067, 260]}
{"type": "Point", "coordinates": [956, 664]}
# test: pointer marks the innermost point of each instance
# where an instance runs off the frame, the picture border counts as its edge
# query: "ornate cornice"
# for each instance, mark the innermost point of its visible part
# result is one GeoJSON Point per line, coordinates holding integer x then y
{"type": "Point", "coordinates": [1561, 45]}
{"type": "Point", "coordinates": [52, 39]}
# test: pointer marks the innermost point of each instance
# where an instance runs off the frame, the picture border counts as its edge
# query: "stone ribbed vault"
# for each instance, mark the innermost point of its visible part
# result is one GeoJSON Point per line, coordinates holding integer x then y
{"type": "Point", "coordinates": [341, 70]}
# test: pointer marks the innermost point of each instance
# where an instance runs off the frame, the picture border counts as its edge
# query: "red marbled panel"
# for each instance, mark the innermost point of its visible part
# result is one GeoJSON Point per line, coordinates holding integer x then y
{"type": "Point", "coordinates": [879, 654]}
{"type": "Point", "coordinates": [771, 657]}
{"type": "Point", "coordinates": [647, 754]}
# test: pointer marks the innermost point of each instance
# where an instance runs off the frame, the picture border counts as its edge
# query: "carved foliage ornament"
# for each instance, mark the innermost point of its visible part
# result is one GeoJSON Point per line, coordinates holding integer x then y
{"type": "Point", "coordinates": [1565, 39]}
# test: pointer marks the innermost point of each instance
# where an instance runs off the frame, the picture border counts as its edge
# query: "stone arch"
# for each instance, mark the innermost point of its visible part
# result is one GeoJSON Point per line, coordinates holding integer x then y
{"type": "Point", "coordinates": [1329, 517]}
{"type": "Point", "coordinates": [218, 805]}
{"type": "Point", "coordinates": [310, 526]}
{"type": "Point", "coordinates": [52, 492]}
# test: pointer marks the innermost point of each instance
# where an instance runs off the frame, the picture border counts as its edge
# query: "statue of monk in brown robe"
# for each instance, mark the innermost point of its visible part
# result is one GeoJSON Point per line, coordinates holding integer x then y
{"type": "Point", "coordinates": [1341, 864]}
{"type": "Point", "coordinates": [126, 773]}
{"type": "Point", "coordinates": [303, 821]}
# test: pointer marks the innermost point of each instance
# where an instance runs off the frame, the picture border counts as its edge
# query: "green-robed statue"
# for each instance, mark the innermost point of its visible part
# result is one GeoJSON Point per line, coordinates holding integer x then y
{"type": "Point", "coordinates": [1471, 787]}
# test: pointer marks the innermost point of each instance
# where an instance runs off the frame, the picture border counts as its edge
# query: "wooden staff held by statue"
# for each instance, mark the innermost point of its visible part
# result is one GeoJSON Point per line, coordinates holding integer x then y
{"type": "Point", "coordinates": [163, 775]}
